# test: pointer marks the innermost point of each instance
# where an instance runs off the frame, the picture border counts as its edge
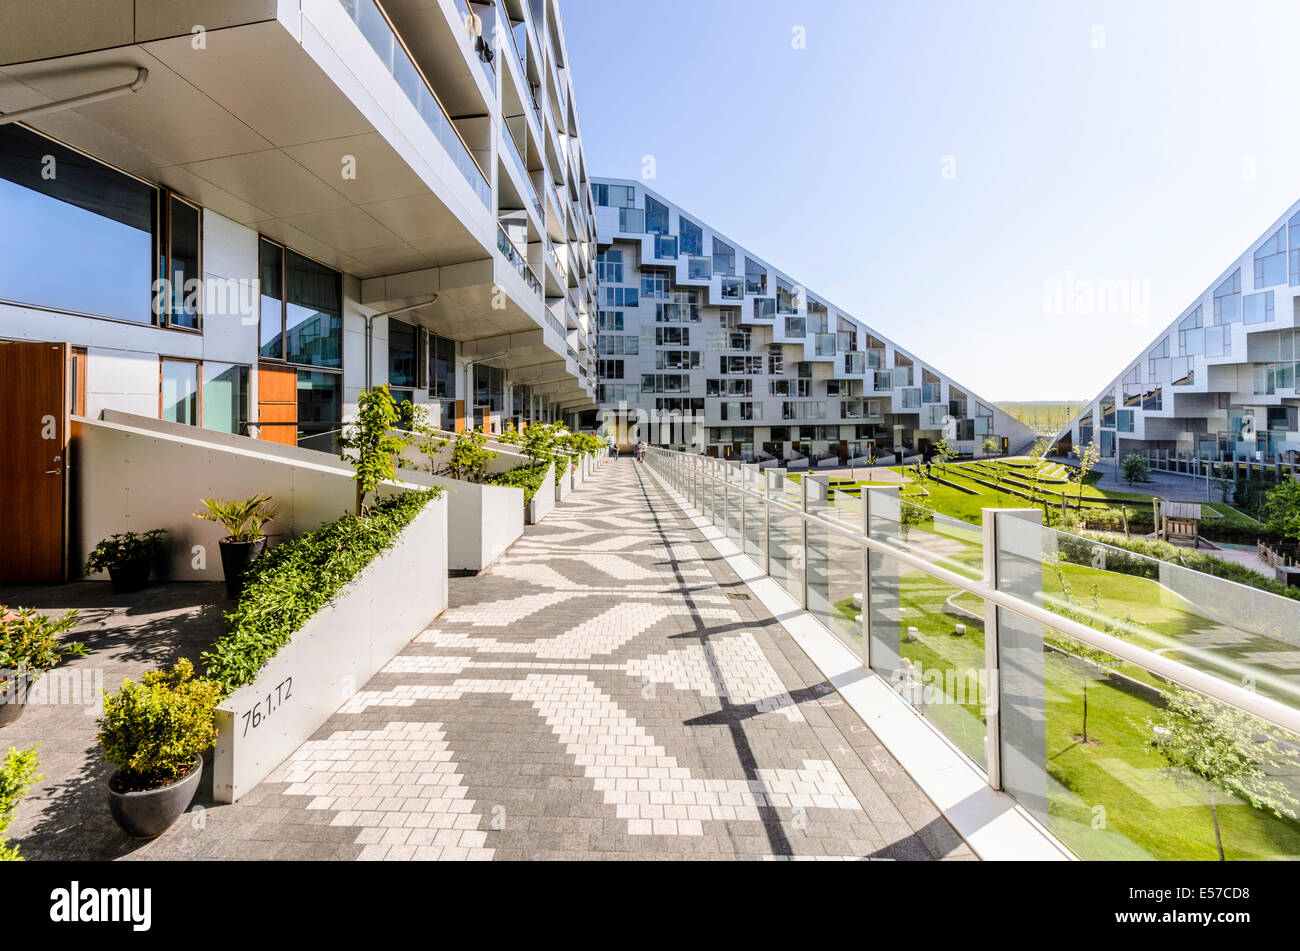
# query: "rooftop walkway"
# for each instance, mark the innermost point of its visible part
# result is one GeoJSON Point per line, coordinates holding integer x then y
{"type": "Point", "coordinates": [606, 690]}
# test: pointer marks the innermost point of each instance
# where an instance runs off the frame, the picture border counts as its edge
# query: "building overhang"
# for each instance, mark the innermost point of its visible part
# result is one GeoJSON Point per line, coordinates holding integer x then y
{"type": "Point", "coordinates": [285, 122]}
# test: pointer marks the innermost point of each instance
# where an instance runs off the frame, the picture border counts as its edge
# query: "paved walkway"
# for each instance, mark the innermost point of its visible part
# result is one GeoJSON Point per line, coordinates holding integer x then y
{"type": "Point", "coordinates": [607, 690]}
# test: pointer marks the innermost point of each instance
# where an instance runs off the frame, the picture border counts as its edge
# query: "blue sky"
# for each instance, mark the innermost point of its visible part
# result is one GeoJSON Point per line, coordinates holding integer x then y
{"type": "Point", "coordinates": [937, 169]}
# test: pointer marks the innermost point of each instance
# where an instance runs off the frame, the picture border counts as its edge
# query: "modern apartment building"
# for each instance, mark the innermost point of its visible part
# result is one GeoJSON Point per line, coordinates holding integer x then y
{"type": "Point", "coordinates": [702, 343]}
{"type": "Point", "coordinates": [1218, 383]}
{"type": "Point", "coordinates": [239, 214]}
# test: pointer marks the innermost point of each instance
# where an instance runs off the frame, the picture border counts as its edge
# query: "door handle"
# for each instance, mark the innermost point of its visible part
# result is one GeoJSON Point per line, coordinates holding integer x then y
{"type": "Point", "coordinates": [53, 471]}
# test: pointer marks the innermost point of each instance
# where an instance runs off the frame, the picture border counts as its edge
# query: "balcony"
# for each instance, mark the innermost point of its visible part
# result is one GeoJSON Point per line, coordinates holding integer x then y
{"type": "Point", "coordinates": [516, 259]}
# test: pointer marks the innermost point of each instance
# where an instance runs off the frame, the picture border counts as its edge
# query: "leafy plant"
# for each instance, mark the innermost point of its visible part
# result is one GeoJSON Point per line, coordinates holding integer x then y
{"type": "Point", "coordinates": [371, 439]}
{"type": "Point", "coordinates": [243, 519]}
{"type": "Point", "coordinates": [1218, 746]}
{"type": "Point", "coordinates": [528, 478]}
{"type": "Point", "coordinates": [910, 515]}
{"type": "Point", "coordinates": [990, 446]}
{"type": "Point", "coordinates": [538, 442]}
{"type": "Point", "coordinates": [1089, 456]}
{"type": "Point", "coordinates": [943, 451]}
{"type": "Point", "coordinates": [1282, 508]}
{"type": "Point", "coordinates": [126, 548]}
{"type": "Point", "coordinates": [154, 730]}
{"type": "Point", "coordinates": [29, 642]}
{"type": "Point", "coordinates": [1135, 468]}
{"type": "Point", "coordinates": [17, 777]}
{"type": "Point", "coordinates": [291, 582]}
{"type": "Point", "coordinates": [469, 456]}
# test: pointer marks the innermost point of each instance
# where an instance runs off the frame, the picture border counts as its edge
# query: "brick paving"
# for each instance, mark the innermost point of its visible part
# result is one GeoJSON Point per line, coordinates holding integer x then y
{"type": "Point", "coordinates": [605, 691]}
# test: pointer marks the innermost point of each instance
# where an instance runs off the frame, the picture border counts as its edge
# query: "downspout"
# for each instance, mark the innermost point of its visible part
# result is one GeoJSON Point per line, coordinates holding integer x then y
{"type": "Point", "coordinates": [370, 327]}
{"type": "Point", "coordinates": [141, 77]}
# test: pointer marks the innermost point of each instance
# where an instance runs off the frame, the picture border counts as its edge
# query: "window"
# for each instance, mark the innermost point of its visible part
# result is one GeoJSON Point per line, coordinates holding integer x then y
{"type": "Point", "coordinates": [320, 403]}
{"type": "Point", "coordinates": [794, 327]}
{"type": "Point", "coordinates": [622, 297]}
{"type": "Point", "coordinates": [692, 237]}
{"type": "Point", "coordinates": [755, 277]}
{"type": "Point", "coordinates": [179, 260]}
{"type": "Point", "coordinates": [614, 196]}
{"type": "Point", "coordinates": [665, 383]}
{"type": "Point", "coordinates": [607, 320]}
{"type": "Point", "coordinates": [1259, 308]}
{"type": "Point", "coordinates": [1191, 338]}
{"type": "Point", "coordinates": [699, 269]}
{"type": "Point", "coordinates": [489, 387]}
{"type": "Point", "coordinates": [208, 394]}
{"type": "Point", "coordinates": [619, 346]}
{"type": "Point", "coordinates": [724, 260]}
{"type": "Point", "coordinates": [180, 392]}
{"type": "Point", "coordinates": [764, 308]}
{"type": "Point", "coordinates": [672, 336]}
{"type": "Point", "coordinates": [609, 369]}
{"type": "Point", "coordinates": [1108, 411]}
{"type": "Point", "coordinates": [1293, 233]}
{"type": "Point", "coordinates": [609, 266]}
{"type": "Point", "coordinates": [665, 246]}
{"type": "Point", "coordinates": [1124, 420]}
{"type": "Point", "coordinates": [403, 355]}
{"type": "Point", "coordinates": [442, 368]}
{"type": "Point", "coordinates": [77, 236]}
{"type": "Point", "coordinates": [1270, 261]}
{"type": "Point", "coordinates": [655, 285]}
{"type": "Point", "coordinates": [631, 221]}
{"type": "Point", "coordinates": [656, 217]}
{"type": "Point", "coordinates": [301, 309]}
{"type": "Point", "coordinates": [1227, 300]}
{"type": "Point", "coordinates": [677, 359]}
{"type": "Point", "coordinates": [786, 299]}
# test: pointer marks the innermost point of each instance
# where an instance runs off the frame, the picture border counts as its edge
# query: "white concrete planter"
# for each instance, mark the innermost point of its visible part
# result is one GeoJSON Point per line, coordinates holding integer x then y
{"type": "Point", "coordinates": [564, 486]}
{"type": "Point", "coordinates": [483, 521]}
{"type": "Point", "coordinates": [335, 653]}
{"type": "Point", "coordinates": [541, 504]}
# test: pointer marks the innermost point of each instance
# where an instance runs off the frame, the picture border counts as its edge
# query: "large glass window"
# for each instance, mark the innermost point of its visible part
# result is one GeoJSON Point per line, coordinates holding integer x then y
{"type": "Point", "coordinates": [1270, 261]}
{"type": "Point", "coordinates": [1293, 233]}
{"type": "Point", "coordinates": [442, 368]}
{"type": "Point", "coordinates": [225, 397]}
{"type": "Point", "coordinates": [724, 258]}
{"type": "Point", "coordinates": [180, 392]}
{"type": "Point", "coordinates": [489, 387]}
{"type": "Point", "coordinates": [692, 237]}
{"type": "Point", "coordinates": [403, 354]}
{"type": "Point", "coordinates": [656, 216]}
{"type": "Point", "coordinates": [1259, 308]}
{"type": "Point", "coordinates": [755, 277]}
{"type": "Point", "coordinates": [75, 235]}
{"type": "Point", "coordinates": [1227, 300]}
{"type": "Point", "coordinates": [320, 402]}
{"type": "Point", "coordinates": [302, 309]}
{"type": "Point", "coordinates": [180, 262]}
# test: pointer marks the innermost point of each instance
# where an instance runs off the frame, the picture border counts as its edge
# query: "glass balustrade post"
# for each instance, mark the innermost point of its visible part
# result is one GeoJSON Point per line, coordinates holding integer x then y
{"type": "Point", "coordinates": [881, 597]}
{"type": "Point", "coordinates": [1016, 711]}
{"type": "Point", "coordinates": [803, 539]}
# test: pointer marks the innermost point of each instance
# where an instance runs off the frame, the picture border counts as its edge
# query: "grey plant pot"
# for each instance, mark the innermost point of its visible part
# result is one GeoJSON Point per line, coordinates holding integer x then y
{"type": "Point", "coordinates": [12, 707]}
{"type": "Point", "coordinates": [148, 814]}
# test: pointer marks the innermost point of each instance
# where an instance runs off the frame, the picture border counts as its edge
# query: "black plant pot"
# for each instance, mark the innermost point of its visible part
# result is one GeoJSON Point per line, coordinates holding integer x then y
{"type": "Point", "coordinates": [131, 576]}
{"type": "Point", "coordinates": [236, 557]}
{"type": "Point", "coordinates": [147, 814]}
{"type": "Point", "coordinates": [13, 701]}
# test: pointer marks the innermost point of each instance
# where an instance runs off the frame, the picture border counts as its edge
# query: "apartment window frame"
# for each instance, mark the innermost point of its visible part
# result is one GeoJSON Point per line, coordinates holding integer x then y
{"type": "Point", "coordinates": [283, 358]}
{"type": "Point", "coordinates": [201, 380]}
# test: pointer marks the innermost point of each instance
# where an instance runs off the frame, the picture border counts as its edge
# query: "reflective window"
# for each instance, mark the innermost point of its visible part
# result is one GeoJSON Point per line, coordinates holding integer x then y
{"type": "Point", "coordinates": [442, 368]}
{"type": "Point", "coordinates": [656, 217]}
{"type": "Point", "coordinates": [225, 397]}
{"type": "Point", "coordinates": [180, 392]}
{"type": "Point", "coordinates": [301, 309]}
{"type": "Point", "coordinates": [403, 354]}
{"type": "Point", "coordinates": [755, 277]}
{"type": "Point", "coordinates": [692, 237]}
{"type": "Point", "coordinates": [724, 258]}
{"type": "Point", "coordinates": [320, 402]}
{"type": "Point", "coordinates": [1227, 300]}
{"type": "Point", "coordinates": [1270, 261]}
{"type": "Point", "coordinates": [181, 264]}
{"type": "Point", "coordinates": [75, 234]}
{"type": "Point", "coordinates": [1259, 308]}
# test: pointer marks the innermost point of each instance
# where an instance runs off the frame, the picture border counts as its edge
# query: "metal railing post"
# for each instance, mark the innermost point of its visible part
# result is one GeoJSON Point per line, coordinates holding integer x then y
{"type": "Point", "coordinates": [803, 537]}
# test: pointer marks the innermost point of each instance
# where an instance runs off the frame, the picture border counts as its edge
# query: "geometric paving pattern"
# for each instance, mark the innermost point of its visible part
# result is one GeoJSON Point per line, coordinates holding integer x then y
{"type": "Point", "coordinates": [595, 694]}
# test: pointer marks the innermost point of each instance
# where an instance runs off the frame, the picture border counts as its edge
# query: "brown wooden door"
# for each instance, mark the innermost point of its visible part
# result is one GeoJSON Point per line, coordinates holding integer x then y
{"type": "Point", "coordinates": [34, 393]}
{"type": "Point", "coordinates": [277, 404]}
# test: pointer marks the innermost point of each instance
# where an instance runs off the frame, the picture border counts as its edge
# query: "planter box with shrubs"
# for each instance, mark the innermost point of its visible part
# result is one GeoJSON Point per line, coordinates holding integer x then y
{"type": "Point", "coordinates": [319, 616]}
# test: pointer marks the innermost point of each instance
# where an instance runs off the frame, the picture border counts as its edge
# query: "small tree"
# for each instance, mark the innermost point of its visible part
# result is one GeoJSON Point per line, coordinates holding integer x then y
{"type": "Point", "coordinates": [1089, 456]}
{"type": "Point", "coordinates": [538, 443]}
{"type": "Point", "coordinates": [1135, 468]}
{"type": "Point", "coordinates": [17, 776]}
{"type": "Point", "coordinates": [373, 442]}
{"type": "Point", "coordinates": [1218, 746]}
{"type": "Point", "coordinates": [1224, 481]}
{"type": "Point", "coordinates": [1098, 659]}
{"type": "Point", "coordinates": [470, 457]}
{"type": "Point", "coordinates": [1282, 509]}
{"type": "Point", "coordinates": [1036, 456]}
{"type": "Point", "coordinates": [943, 451]}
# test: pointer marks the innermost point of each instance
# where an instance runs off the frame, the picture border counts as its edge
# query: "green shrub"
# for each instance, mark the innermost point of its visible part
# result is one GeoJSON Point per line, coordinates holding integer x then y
{"type": "Point", "coordinates": [374, 441]}
{"type": "Point", "coordinates": [154, 730]}
{"type": "Point", "coordinates": [528, 478]}
{"type": "Point", "coordinates": [1282, 506]}
{"type": "Point", "coordinates": [469, 456]}
{"type": "Point", "coordinates": [126, 548]}
{"type": "Point", "coordinates": [17, 776]}
{"type": "Point", "coordinates": [1078, 549]}
{"type": "Point", "coordinates": [291, 582]}
{"type": "Point", "coordinates": [29, 641]}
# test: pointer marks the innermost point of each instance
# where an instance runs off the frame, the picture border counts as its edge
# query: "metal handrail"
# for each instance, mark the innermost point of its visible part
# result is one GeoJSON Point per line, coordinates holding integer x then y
{"type": "Point", "coordinates": [1263, 707]}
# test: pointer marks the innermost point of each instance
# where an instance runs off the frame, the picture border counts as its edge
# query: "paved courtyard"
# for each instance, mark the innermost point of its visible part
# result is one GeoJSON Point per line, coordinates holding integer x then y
{"type": "Point", "coordinates": [607, 690]}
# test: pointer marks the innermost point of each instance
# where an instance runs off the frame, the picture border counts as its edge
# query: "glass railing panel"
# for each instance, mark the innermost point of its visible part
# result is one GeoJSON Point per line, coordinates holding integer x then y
{"type": "Point", "coordinates": [734, 474]}
{"type": "Point", "coordinates": [755, 507]}
{"type": "Point", "coordinates": [1239, 633]}
{"type": "Point", "coordinates": [380, 37]}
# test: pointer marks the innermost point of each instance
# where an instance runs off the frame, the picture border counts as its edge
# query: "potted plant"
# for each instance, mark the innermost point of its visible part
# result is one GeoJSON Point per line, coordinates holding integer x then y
{"type": "Point", "coordinates": [128, 558]}
{"type": "Point", "coordinates": [155, 732]}
{"type": "Point", "coordinates": [245, 520]}
{"type": "Point", "coordinates": [30, 646]}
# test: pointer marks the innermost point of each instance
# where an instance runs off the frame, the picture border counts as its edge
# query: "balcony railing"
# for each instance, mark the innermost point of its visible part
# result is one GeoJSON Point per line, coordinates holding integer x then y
{"type": "Point", "coordinates": [517, 261]}
{"type": "Point", "coordinates": [516, 160]}
{"type": "Point", "coordinates": [388, 46]}
{"type": "Point", "coordinates": [1070, 673]}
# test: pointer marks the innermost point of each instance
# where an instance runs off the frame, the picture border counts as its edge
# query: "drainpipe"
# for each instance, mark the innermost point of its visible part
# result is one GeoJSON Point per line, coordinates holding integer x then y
{"type": "Point", "coordinates": [370, 327]}
{"type": "Point", "coordinates": [141, 76]}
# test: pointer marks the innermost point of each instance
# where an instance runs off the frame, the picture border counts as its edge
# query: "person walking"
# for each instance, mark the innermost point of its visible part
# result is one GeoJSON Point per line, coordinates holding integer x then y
{"type": "Point", "coordinates": [640, 451]}
{"type": "Point", "coordinates": [613, 446]}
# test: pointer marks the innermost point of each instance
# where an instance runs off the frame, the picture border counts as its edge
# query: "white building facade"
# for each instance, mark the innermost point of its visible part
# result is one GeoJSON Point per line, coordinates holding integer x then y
{"type": "Point", "coordinates": [278, 203]}
{"type": "Point", "coordinates": [704, 344]}
{"type": "Point", "coordinates": [1219, 382]}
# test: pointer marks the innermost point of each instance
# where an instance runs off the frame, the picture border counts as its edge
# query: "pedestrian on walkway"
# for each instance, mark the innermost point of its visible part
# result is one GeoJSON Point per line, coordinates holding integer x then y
{"type": "Point", "coordinates": [640, 451]}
